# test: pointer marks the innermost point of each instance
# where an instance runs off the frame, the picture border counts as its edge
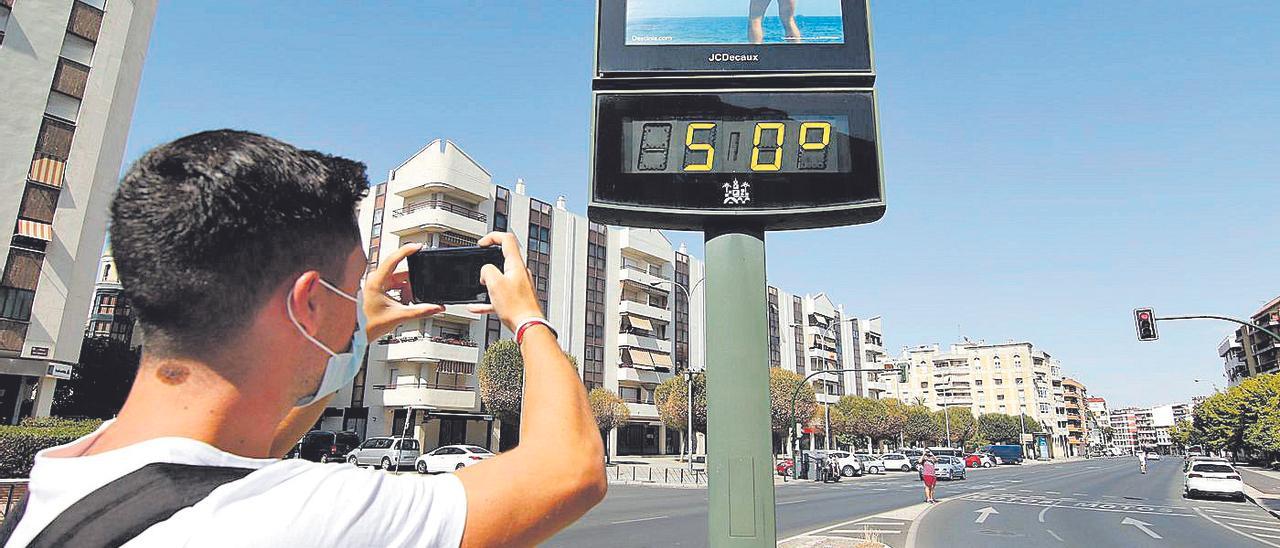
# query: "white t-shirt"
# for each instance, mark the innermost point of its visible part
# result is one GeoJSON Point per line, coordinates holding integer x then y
{"type": "Point", "coordinates": [282, 503]}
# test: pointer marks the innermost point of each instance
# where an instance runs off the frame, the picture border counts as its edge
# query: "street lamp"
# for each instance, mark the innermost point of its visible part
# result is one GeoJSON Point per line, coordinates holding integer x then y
{"type": "Point", "coordinates": [1214, 385]}
{"type": "Point", "coordinates": [826, 387]}
{"type": "Point", "coordinates": [688, 370]}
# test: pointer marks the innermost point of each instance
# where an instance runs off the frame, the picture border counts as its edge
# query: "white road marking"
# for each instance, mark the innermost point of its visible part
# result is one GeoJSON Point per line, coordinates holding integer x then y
{"type": "Point", "coordinates": [1054, 492]}
{"type": "Point", "coordinates": [1080, 494]}
{"type": "Point", "coordinates": [983, 513]}
{"type": "Point", "coordinates": [1142, 526]}
{"type": "Point", "coordinates": [1046, 509]}
{"type": "Point", "coordinates": [637, 519]}
{"type": "Point", "coordinates": [1248, 519]}
{"type": "Point", "coordinates": [1055, 535]}
{"type": "Point", "coordinates": [1264, 535]}
{"type": "Point", "coordinates": [1269, 529]}
{"type": "Point", "coordinates": [1234, 530]}
{"type": "Point", "coordinates": [792, 502]}
{"type": "Point", "coordinates": [880, 531]}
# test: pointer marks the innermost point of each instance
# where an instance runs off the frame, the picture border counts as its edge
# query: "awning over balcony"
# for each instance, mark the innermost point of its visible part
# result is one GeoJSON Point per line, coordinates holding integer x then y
{"type": "Point", "coordinates": [640, 359]}
{"type": "Point", "coordinates": [36, 230]}
{"type": "Point", "coordinates": [640, 323]}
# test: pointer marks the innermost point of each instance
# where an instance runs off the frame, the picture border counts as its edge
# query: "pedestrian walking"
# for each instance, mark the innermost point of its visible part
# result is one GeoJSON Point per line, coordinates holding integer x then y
{"type": "Point", "coordinates": [1142, 461]}
{"type": "Point", "coordinates": [929, 473]}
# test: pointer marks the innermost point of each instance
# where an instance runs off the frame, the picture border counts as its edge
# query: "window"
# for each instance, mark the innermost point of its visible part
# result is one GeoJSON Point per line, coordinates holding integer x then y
{"type": "Point", "coordinates": [106, 272]}
{"type": "Point", "coordinates": [15, 304]}
{"type": "Point", "coordinates": [70, 78]}
{"type": "Point", "coordinates": [629, 394]}
{"type": "Point", "coordinates": [924, 384]}
{"type": "Point", "coordinates": [22, 271]}
{"type": "Point", "coordinates": [682, 314]}
{"type": "Point", "coordinates": [1017, 380]}
{"type": "Point", "coordinates": [1000, 397]}
{"type": "Point", "coordinates": [977, 382]}
{"type": "Point", "coordinates": [39, 203]}
{"type": "Point", "coordinates": [55, 138]}
{"type": "Point", "coordinates": [106, 304]}
{"type": "Point", "coordinates": [539, 252]}
{"type": "Point", "coordinates": [999, 381]}
{"type": "Point", "coordinates": [85, 21]}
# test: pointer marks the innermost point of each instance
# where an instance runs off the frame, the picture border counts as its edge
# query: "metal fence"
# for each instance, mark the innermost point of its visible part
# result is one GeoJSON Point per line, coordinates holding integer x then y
{"type": "Point", "coordinates": [11, 493]}
{"type": "Point", "coordinates": [656, 475]}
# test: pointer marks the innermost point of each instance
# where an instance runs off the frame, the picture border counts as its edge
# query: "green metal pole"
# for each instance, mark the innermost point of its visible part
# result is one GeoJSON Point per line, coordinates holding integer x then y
{"type": "Point", "coordinates": [739, 443]}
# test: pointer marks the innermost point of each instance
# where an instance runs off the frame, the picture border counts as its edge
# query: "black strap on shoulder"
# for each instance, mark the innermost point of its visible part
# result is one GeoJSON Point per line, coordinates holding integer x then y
{"type": "Point", "coordinates": [121, 510]}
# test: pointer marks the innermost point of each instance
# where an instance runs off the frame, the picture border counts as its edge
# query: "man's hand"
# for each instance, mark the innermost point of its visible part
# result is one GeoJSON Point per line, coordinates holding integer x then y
{"type": "Point", "coordinates": [510, 289]}
{"type": "Point", "coordinates": [385, 313]}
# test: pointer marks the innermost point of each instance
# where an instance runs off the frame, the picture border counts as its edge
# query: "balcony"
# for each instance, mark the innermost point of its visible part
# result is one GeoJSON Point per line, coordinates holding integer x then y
{"type": "Point", "coordinates": [469, 191]}
{"type": "Point", "coordinates": [649, 243]}
{"type": "Point", "coordinates": [644, 279]}
{"type": "Point", "coordinates": [642, 376]}
{"type": "Point", "coordinates": [427, 394]}
{"type": "Point", "coordinates": [876, 386]}
{"type": "Point", "coordinates": [437, 216]}
{"type": "Point", "coordinates": [416, 348]}
{"type": "Point", "coordinates": [647, 343]}
{"type": "Point", "coordinates": [647, 411]}
{"type": "Point", "coordinates": [640, 309]}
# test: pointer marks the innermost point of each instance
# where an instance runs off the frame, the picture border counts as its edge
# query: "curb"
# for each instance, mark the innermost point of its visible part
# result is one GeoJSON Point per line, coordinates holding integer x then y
{"type": "Point", "coordinates": [659, 484]}
{"type": "Point", "coordinates": [1253, 495]}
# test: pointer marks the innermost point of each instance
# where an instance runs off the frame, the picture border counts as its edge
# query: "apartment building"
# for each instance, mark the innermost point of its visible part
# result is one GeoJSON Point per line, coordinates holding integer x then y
{"type": "Point", "coordinates": [1010, 378]}
{"type": "Point", "coordinates": [70, 71]}
{"type": "Point", "coordinates": [627, 303]}
{"type": "Point", "coordinates": [1250, 351]}
{"type": "Point", "coordinates": [1076, 413]}
{"type": "Point", "coordinates": [1151, 425]}
{"type": "Point", "coordinates": [1124, 424]}
{"type": "Point", "coordinates": [110, 315]}
{"type": "Point", "coordinates": [1097, 421]}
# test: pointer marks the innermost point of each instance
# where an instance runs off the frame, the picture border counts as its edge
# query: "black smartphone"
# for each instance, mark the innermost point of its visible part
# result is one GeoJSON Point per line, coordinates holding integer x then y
{"type": "Point", "coordinates": [451, 275]}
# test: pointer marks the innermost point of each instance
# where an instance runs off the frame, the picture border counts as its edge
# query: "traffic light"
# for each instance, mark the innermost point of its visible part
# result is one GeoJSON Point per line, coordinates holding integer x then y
{"type": "Point", "coordinates": [902, 375]}
{"type": "Point", "coordinates": [1146, 321]}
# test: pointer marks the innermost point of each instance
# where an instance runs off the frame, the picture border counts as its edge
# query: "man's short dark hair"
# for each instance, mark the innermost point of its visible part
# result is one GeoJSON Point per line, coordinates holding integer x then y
{"type": "Point", "coordinates": [203, 228]}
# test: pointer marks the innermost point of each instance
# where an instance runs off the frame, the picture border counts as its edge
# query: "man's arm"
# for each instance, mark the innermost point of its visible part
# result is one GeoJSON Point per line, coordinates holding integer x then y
{"type": "Point", "coordinates": [526, 495]}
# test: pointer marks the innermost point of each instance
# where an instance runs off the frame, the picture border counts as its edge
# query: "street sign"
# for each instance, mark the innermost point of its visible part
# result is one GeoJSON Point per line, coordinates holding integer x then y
{"type": "Point", "coordinates": [59, 371]}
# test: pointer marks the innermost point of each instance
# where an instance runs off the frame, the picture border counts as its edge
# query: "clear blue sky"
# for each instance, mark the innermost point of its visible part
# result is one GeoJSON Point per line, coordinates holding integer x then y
{"type": "Point", "coordinates": [1049, 165]}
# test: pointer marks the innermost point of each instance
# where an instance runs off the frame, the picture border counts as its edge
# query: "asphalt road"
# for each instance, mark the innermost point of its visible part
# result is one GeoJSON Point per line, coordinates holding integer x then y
{"type": "Point", "coordinates": [1094, 503]}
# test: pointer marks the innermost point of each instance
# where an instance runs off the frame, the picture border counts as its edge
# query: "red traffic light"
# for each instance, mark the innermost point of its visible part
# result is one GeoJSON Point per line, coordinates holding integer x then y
{"type": "Point", "coordinates": [1145, 319]}
{"type": "Point", "coordinates": [1144, 315]}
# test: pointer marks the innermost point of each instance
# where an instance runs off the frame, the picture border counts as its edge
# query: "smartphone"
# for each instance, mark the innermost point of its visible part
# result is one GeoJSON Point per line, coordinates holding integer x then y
{"type": "Point", "coordinates": [451, 275]}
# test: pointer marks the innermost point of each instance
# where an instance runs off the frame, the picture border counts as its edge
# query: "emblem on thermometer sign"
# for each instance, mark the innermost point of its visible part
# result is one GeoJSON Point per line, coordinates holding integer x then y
{"type": "Point", "coordinates": [737, 192]}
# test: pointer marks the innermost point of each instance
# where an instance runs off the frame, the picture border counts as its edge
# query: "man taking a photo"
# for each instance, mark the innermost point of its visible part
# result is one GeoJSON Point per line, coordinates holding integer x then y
{"type": "Point", "coordinates": [242, 258]}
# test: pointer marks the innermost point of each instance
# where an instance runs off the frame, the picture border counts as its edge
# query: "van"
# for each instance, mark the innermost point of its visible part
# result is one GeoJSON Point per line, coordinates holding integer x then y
{"type": "Point", "coordinates": [947, 451]}
{"type": "Point", "coordinates": [1008, 454]}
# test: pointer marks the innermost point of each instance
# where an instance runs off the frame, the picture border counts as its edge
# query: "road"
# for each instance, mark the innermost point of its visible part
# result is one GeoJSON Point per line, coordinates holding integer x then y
{"type": "Point", "coordinates": [1095, 503]}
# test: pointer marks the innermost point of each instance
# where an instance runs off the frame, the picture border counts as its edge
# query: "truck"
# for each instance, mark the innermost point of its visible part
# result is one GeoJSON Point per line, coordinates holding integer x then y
{"type": "Point", "coordinates": [1006, 454]}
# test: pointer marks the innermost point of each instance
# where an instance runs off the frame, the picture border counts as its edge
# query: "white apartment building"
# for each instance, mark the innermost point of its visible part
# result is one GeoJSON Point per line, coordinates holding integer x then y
{"type": "Point", "coordinates": [620, 298]}
{"type": "Point", "coordinates": [1099, 418]}
{"type": "Point", "coordinates": [1009, 378]}
{"type": "Point", "coordinates": [1147, 427]}
{"type": "Point", "coordinates": [1124, 422]}
{"type": "Point", "coordinates": [69, 71]}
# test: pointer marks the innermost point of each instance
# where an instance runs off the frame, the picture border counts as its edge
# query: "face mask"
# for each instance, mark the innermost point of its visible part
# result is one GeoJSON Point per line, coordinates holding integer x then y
{"type": "Point", "coordinates": [342, 368]}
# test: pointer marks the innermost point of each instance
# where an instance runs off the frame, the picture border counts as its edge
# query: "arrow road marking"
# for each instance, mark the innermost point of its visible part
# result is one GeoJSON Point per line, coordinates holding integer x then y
{"type": "Point", "coordinates": [983, 513]}
{"type": "Point", "coordinates": [1141, 525]}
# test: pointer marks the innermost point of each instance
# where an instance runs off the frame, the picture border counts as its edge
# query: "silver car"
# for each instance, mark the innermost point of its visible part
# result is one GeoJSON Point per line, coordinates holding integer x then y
{"type": "Point", "coordinates": [947, 468]}
{"type": "Point", "coordinates": [385, 453]}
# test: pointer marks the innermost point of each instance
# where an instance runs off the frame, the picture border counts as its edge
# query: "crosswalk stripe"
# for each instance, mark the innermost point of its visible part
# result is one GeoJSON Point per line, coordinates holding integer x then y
{"type": "Point", "coordinates": [1248, 519]}
{"type": "Point", "coordinates": [1272, 529]}
{"type": "Point", "coordinates": [880, 531]}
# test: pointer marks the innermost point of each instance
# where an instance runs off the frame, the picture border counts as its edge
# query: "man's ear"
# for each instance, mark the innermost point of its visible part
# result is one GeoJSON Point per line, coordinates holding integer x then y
{"type": "Point", "coordinates": [301, 300]}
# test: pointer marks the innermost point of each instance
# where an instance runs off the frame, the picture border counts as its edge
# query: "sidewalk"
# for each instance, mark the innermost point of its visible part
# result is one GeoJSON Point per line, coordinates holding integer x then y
{"type": "Point", "coordinates": [1262, 487]}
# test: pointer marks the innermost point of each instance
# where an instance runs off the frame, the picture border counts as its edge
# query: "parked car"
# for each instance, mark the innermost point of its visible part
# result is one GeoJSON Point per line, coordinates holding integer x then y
{"type": "Point", "coordinates": [1006, 454]}
{"type": "Point", "coordinates": [1213, 478]}
{"type": "Point", "coordinates": [385, 453]}
{"type": "Point", "coordinates": [450, 457]}
{"type": "Point", "coordinates": [849, 465]}
{"type": "Point", "coordinates": [1186, 465]}
{"type": "Point", "coordinates": [912, 455]}
{"type": "Point", "coordinates": [980, 460]}
{"type": "Point", "coordinates": [897, 461]}
{"type": "Point", "coordinates": [1153, 456]}
{"type": "Point", "coordinates": [871, 463]}
{"type": "Point", "coordinates": [324, 446]}
{"type": "Point", "coordinates": [948, 451]}
{"type": "Point", "coordinates": [947, 468]}
{"type": "Point", "coordinates": [783, 467]}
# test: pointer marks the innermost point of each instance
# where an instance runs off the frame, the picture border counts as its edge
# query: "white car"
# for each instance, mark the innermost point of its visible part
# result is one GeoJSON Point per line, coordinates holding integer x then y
{"type": "Point", "coordinates": [1153, 456]}
{"type": "Point", "coordinates": [451, 457]}
{"type": "Point", "coordinates": [1213, 478]}
{"type": "Point", "coordinates": [385, 453]}
{"type": "Point", "coordinates": [896, 461]}
{"type": "Point", "coordinates": [872, 463]}
{"type": "Point", "coordinates": [849, 464]}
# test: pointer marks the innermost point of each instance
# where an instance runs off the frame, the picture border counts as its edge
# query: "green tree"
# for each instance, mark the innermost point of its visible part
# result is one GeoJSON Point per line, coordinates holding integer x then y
{"type": "Point", "coordinates": [782, 387]}
{"type": "Point", "coordinates": [609, 411]}
{"type": "Point", "coordinates": [672, 399]}
{"type": "Point", "coordinates": [501, 379]}
{"type": "Point", "coordinates": [101, 381]}
{"type": "Point", "coordinates": [999, 428]}
{"type": "Point", "coordinates": [962, 424]}
{"type": "Point", "coordinates": [895, 419]}
{"type": "Point", "coordinates": [864, 421]}
{"type": "Point", "coordinates": [922, 426]}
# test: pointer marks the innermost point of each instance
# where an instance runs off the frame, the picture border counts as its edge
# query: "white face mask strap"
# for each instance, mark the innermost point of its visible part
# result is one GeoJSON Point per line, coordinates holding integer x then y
{"type": "Point", "coordinates": [336, 290]}
{"type": "Point", "coordinates": [288, 306]}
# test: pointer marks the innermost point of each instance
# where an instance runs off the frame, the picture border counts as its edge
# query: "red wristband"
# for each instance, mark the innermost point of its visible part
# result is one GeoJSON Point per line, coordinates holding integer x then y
{"type": "Point", "coordinates": [530, 323]}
